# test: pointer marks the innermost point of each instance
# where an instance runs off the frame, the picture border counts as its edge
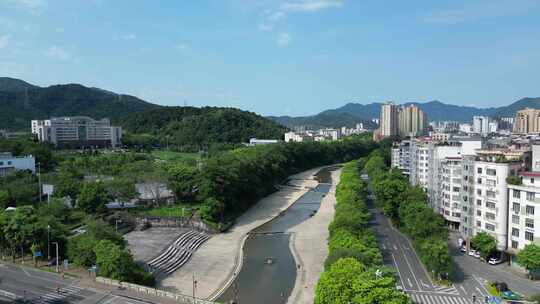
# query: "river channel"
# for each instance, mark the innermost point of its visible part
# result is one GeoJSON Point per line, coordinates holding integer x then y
{"type": "Point", "coordinates": [268, 272]}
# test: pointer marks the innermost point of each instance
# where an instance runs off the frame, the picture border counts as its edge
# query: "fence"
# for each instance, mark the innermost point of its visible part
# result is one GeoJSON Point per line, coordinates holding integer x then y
{"type": "Point", "coordinates": [180, 298]}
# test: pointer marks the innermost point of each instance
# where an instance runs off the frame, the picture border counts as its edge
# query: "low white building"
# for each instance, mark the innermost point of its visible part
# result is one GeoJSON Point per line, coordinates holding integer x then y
{"type": "Point", "coordinates": [258, 142]}
{"type": "Point", "coordinates": [10, 163]}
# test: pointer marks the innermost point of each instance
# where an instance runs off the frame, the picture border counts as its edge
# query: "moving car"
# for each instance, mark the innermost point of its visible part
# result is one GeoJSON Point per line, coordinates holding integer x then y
{"type": "Point", "coordinates": [495, 261]}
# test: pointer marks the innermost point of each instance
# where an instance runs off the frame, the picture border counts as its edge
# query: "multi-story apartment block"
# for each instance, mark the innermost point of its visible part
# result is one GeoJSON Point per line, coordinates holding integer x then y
{"type": "Point", "coordinates": [401, 157]}
{"type": "Point", "coordinates": [77, 132]}
{"type": "Point", "coordinates": [10, 163]}
{"type": "Point", "coordinates": [491, 195]}
{"type": "Point", "coordinates": [412, 121]}
{"type": "Point", "coordinates": [527, 121]}
{"type": "Point", "coordinates": [389, 120]}
{"type": "Point", "coordinates": [481, 125]}
{"type": "Point", "coordinates": [524, 212]}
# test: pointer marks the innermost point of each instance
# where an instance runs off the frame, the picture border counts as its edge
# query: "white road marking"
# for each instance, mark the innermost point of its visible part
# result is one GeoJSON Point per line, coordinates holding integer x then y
{"type": "Point", "coordinates": [395, 247]}
{"type": "Point", "coordinates": [463, 288]}
{"type": "Point", "coordinates": [399, 273]}
{"type": "Point", "coordinates": [26, 272]}
{"type": "Point", "coordinates": [383, 247]}
{"type": "Point", "coordinates": [410, 283]}
{"type": "Point", "coordinates": [424, 284]}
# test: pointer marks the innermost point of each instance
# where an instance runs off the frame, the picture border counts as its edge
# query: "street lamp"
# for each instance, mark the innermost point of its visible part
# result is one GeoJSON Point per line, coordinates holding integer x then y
{"type": "Point", "coordinates": [57, 267]}
{"type": "Point", "coordinates": [48, 243]}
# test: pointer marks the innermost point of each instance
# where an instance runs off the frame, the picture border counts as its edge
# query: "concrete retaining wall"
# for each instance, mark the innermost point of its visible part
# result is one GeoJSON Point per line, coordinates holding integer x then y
{"type": "Point", "coordinates": [180, 298]}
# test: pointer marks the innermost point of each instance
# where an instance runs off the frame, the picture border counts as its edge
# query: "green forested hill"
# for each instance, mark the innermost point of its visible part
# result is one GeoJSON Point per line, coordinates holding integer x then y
{"type": "Point", "coordinates": [21, 102]}
{"type": "Point", "coordinates": [200, 127]}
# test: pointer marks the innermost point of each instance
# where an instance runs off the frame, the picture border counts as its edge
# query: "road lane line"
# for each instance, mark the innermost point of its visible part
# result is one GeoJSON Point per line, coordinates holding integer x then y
{"type": "Point", "coordinates": [410, 283]}
{"type": "Point", "coordinates": [399, 273]}
{"type": "Point", "coordinates": [480, 283]}
{"type": "Point", "coordinates": [463, 289]}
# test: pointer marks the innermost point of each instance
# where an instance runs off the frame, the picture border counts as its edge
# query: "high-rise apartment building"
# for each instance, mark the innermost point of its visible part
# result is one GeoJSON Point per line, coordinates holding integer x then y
{"type": "Point", "coordinates": [527, 121]}
{"type": "Point", "coordinates": [412, 121]}
{"type": "Point", "coordinates": [389, 120]}
{"type": "Point", "coordinates": [481, 125]}
{"type": "Point", "coordinates": [77, 132]}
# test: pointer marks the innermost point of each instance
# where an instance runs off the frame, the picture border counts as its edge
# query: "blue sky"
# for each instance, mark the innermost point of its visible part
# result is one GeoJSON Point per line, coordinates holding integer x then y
{"type": "Point", "coordinates": [279, 57]}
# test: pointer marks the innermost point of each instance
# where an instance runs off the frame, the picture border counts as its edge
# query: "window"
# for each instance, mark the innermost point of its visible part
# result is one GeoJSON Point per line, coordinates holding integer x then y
{"type": "Point", "coordinates": [464, 208]}
{"type": "Point", "coordinates": [516, 194]}
{"type": "Point", "coordinates": [490, 194]}
{"type": "Point", "coordinates": [479, 170]}
{"type": "Point", "coordinates": [478, 202]}
{"type": "Point", "coordinates": [490, 227]}
{"type": "Point", "coordinates": [478, 212]}
{"type": "Point", "coordinates": [532, 180]}
{"type": "Point", "coordinates": [491, 172]}
{"type": "Point", "coordinates": [530, 196]}
{"type": "Point", "coordinates": [490, 216]}
{"type": "Point", "coordinates": [515, 219]}
{"type": "Point", "coordinates": [529, 223]}
{"type": "Point", "coordinates": [514, 244]}
{"type": "Point", "coordinates": [479, 191]}
{"type": "Point", "coordinates": [479, 180]}
{"type": "Point", "coordinates": [1, 163]}
{"type": "Point", "coordinates": [515, 207]}
{"type": "Point", "coordinates": [456, 189]}
{"type": "Point", "coordinates": [490, 205]}
{"type": "Point", "coordinates": [491, 182]}
{"type": "Point", "coordinates": [515, 232]}
{"type": "Point", "coordinates": [529, 236]}
{"type": "Point", "coordinates": [529, 210]}
{"type": "Point", "coordinates": [478, 223]}
{"type": "Point", "coordinates": [9, 162]}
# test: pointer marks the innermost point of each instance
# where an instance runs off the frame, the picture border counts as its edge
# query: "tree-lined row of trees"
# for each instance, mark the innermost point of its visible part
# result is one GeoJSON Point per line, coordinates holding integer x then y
{"type": "Point", "coordinates": [353, 269]}
{"type": "Point", "coordinates": [408, 209]}
{"type": "Point", "coordinates": [233, 181]}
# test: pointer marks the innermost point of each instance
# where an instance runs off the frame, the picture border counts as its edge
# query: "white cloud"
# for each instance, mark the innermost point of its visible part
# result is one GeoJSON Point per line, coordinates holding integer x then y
{"type": "Point", "coordinates": [488, 9]}
{"type": "Point", "coordinates": [129, 37]}
{"type": "Point", "coordinates": [310, 5]}
{"type": "Point", "coordinates": [284, 39]}
{"type": "Point", "coordinates": [182, 47]}
{"type": "Point", "coordinates": [4, 41]}
{"type": "Point", "coordinates": [271, 19]}
{"type": "Point", "coordinates": [33, 6]}
{"type": "Point", "coordinates": [57, 53]}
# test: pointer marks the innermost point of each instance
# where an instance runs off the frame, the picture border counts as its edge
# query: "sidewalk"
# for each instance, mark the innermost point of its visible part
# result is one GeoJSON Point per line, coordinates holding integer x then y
{"type": "Point", "coordinates": [216, 262]}
{"type": "Point", "coordinates": [310, 248]}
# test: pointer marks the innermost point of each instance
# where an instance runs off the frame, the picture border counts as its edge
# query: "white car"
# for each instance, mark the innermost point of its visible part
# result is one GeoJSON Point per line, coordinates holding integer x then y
{"type": "Point", "coordinates": [472, 252]}
{"type": "Point", "coordinates": [463, 249]}
{"type": "Point", "coordinates": [495, 261]}
{"type": "Point", "coordinates": [477, 254]}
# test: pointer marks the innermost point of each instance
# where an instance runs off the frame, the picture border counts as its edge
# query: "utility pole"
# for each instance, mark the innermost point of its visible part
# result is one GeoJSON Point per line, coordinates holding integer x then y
{"type": "Point", "coordinates": [57, 265]}
{"type": "Point", "coordinates": [116, 224]}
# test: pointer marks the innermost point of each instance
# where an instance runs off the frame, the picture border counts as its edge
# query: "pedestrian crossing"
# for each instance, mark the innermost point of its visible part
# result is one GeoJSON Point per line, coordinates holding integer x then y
{"type": "Point", "coordinates": [438, 299]}
{"type": "Point", "coordinates": [60, 295]}
{"type": "Point", "coordinates": [447, 289]}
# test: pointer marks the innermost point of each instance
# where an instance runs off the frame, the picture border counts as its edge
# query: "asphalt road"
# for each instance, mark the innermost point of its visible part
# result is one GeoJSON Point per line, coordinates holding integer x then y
{"type": "Point", "coordinates": [32, 286]}
{"type": "Point", "coordinates": [399, 254]}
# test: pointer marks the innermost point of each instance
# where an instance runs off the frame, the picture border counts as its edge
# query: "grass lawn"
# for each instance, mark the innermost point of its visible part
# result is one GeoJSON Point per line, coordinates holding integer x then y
{"type": "Point", "coordinates": [169, 155]}
{"type": "Point", "coordinates": [181, 210]}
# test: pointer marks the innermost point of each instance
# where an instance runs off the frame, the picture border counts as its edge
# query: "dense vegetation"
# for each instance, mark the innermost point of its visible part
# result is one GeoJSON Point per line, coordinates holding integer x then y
{"type": "Point", "coordinates": [233, 181]}
{"type": "Point", "coordinates": [193, 129]}
{"type": "Point", "coordinates": [350, 274]}
{"type": "Point", "coordinates": [19, 106]}
{"type": "Point", "coordinates": [529, 257]}
{"type": "Point", "coordinates": [407, 207]}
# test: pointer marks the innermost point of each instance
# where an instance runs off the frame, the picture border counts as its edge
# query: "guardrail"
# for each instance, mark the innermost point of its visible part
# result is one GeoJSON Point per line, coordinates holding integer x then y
{"type": "Point", "coordinates": [180, 298]}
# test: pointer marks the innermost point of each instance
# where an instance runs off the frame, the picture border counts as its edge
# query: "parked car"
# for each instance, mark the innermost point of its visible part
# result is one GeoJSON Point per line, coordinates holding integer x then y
{"type": "Point", "coordinates": [472, 252]}
{"type": "Point", "coordinates": [477, 254]}
{"type": "Point", "coordinates": [463, 249]}
{"type": "Point", "coordinates": [495, 261]}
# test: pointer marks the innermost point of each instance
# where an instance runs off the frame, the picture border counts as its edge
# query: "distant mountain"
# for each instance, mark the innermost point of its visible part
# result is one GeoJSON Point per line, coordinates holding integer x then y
{"type": "Point", "coordinates": [15, 85]}
{"type": "Point", "coordinates": [195, 128]}
{"type": "Point", "coordinates": [511, 110]}
{"type": "Point", "coordinates": [436, 111]}
{"type": "Point", "coordinates": [327, 119]}
{"type": "Point", "coordinates": [21, 102]}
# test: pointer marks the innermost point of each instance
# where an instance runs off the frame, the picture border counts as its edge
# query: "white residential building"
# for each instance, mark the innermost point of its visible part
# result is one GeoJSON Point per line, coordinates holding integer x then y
{"type": "Point", "coordinates": [401, 156]}
{"type": "Point", "coordinates": [10, 163]}
{"type": "Point", "coordinates": [524, 212]}
{"type": "Point", "coordinates": [481, 125]}
{"type": "Point", "coordinates": [77, 132]}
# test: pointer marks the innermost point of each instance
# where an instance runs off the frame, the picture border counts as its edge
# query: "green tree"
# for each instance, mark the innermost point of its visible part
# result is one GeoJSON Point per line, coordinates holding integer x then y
{"type": "Point", "coordinates": [485, 243]}
{"type": "Point", "coordinates": [183, 180]}
{"type": "Point", "coordinates": [435, 256]}
{"type": "Point", "coordinates": [4, 199]}
{"type": "Point", "coordinates": [121, 188]}
{"type": "Point", "coordinates": [113, 261]}
{"type": "Point", "coordinates": [529, 257]}
{"type": "Point", "coordinates": [92, 198]}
